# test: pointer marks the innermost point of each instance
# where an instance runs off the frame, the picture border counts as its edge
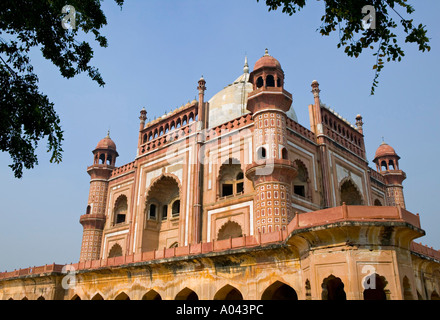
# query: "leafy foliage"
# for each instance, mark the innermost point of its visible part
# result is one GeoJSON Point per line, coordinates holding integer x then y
{"type": "Point", "coordinates": [27, 115]}
{"type": "Point", "coordinates": [347, 17]}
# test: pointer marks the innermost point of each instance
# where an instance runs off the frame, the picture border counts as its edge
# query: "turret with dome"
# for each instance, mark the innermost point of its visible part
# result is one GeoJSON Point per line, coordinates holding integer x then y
{"type": "Point", "coordinates": [105, 151]}
{"type": "Point", "coordinates": [387, 164]}
{"type": "Point", "coordinates": [231, 102]}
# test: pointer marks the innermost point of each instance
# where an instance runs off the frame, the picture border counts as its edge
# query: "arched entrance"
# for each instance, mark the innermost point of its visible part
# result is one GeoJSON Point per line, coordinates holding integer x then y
{"type": "Point", "coordinates": [230, 229]}
{"type": "Point", "coordinates": [97, 297]}
{"type": "Point", "coordinates": [375, 288]}
{"type": "Point", "coordinates": [350, 194]}
{"type": "Point", "coordinates": [279, 291]}
{"type": "Point", "coordinates": [333, 289]}
{"type": "Point", "coordinates": [115, 251]}
{"type": "Point", "coordinates": [122, 296]}
{"type": "Point", "coordinates": [162, 213]}
{"type": "Point", "coordinates": [228, 292]}
{"type": "Point", "coordinates": [187, 294]}
{"type": "Point", "coordinates": [152, 295]}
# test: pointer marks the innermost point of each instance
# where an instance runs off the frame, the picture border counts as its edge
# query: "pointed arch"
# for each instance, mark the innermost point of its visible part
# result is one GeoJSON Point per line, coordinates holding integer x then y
{"type": "Point", "coordinates": [333, 289]}
{"type": "Point", "coordinates": [174, 245]}
{"type": "Point", "coordinates": [187, 294]}
{"type": "Point", "coordinates": [97, 296]}
{"type": "Point", "coordinates": [349, 193]}
{"type": "Point", "coordinates": [279, 291]}
{"type": "Point", "coordinates": [228, 292]}
{"type": "Point", "coordinates": [162, 204]}
{"type": "Point", "coordinates": [120, 209]}
{"type": "Point", "coordinates": [41, 298]}
{"type": "Point", "coordinates": [377, 203]}
{"type": "Point", "coordinates": [75, 297]}
{"type": "Point", "coordinates": [151, 295]}
{"type": "Point", "coordinates": [230, 229]}
{"type": "Point", "coordinates": [158, 179]}
{"type": "Point", "coordinates": [115, 251]}
{"type": "Point", "coordinates": [301, 183]}
{"type": "Point", "coordinates": [122, 296]}
{"type": "Point", "coordinates": [375, 287]}
{"type": "Point", "coordinates": [270, 81]}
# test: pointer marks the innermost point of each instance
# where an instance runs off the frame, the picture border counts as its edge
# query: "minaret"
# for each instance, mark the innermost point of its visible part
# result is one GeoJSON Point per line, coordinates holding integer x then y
{"type": "Point", "coordinates": [271, 172]}
{"type": "Point", "coordinates": [142, 119]}
{"type": "Point", "coordinates": [93, 221]}
{"type": "Point", "coordinates": [317, 128]}
{"type": "Point", "coordinates": [198, 194]}
{"type": "Point", "coordinates": [387, 163]}
{"type": "Point", "coordinates": [203, 117]}
{"type": "Point", "coordinates": [359, 124]}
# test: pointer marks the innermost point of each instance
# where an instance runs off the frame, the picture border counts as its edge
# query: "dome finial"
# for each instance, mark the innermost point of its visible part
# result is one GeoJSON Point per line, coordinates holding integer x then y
{"type": "Point", "coordinates": [108, 134]}
{"type": "Point", "coordinates": [246, 66]}
{"type": "Point", "coordinates": [266, 52]}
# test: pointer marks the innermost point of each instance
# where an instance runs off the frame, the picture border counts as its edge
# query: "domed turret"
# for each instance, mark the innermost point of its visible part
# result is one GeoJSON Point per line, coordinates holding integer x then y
{"type": "Point", "coordinates": [105, 151]}
{"type": "Point", "coordinates": [267, 80]}
{"type": "Point", "coordinates": [267, 61]}
{"type": "Point", "coordinates": [106, 143]}
{"type": "Point", "coordinates": [386, 158]}
{"type": "Point", "coordinates": [387, 163]}
{"type": "Point", "coordinates": [267, 73]}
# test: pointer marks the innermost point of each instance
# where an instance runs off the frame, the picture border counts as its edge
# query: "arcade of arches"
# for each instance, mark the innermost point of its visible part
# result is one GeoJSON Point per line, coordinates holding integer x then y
{"type": "Point", "coordinates": [332, 289]}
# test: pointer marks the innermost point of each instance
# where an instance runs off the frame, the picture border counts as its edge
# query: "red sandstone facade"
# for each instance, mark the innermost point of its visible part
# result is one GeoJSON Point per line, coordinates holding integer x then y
{"type": "Point", "coordinates": [200, 191]}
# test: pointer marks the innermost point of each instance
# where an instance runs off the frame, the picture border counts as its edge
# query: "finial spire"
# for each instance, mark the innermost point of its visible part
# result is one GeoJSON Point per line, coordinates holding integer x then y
{"type": "Point", "coordinates": [108, 134]}
{"type": "Point", "coordinates": [246, 66]}
{"type": "Point", "coordinates": [266, 52]}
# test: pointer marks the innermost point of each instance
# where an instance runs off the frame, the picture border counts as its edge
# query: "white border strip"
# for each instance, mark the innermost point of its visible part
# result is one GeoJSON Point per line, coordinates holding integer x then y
{"type": "Point", "coordinates": [235, 206]}
{"type": "Point", "coordinates": [111, 235]}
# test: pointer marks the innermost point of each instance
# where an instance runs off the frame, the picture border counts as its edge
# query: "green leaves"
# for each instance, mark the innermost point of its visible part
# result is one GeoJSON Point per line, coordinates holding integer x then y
{"type": "Point", "coordinates": [27, 115]}
{"type": "Point", "coordinates": [347, 17]}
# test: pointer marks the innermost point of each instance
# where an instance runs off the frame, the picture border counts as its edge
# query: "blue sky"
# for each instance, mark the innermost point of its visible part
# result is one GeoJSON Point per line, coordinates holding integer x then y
{"type": "Point", "coordinates": [157, 52]}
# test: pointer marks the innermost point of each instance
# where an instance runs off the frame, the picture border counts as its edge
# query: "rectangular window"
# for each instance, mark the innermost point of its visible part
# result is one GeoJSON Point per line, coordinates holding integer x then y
{"type": "Point", "coordinates": [299, 190]}
{"type": "Point", "coordinates": [152, 212]}
{"type": "Point", "coordinates": [120, 218]}
{"type": "Point", "coordinates": [227, 190]}
{"type": "Point", "coordinates": [240, 187]}
{"type": "Point", "coordinates": [164, 212]}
